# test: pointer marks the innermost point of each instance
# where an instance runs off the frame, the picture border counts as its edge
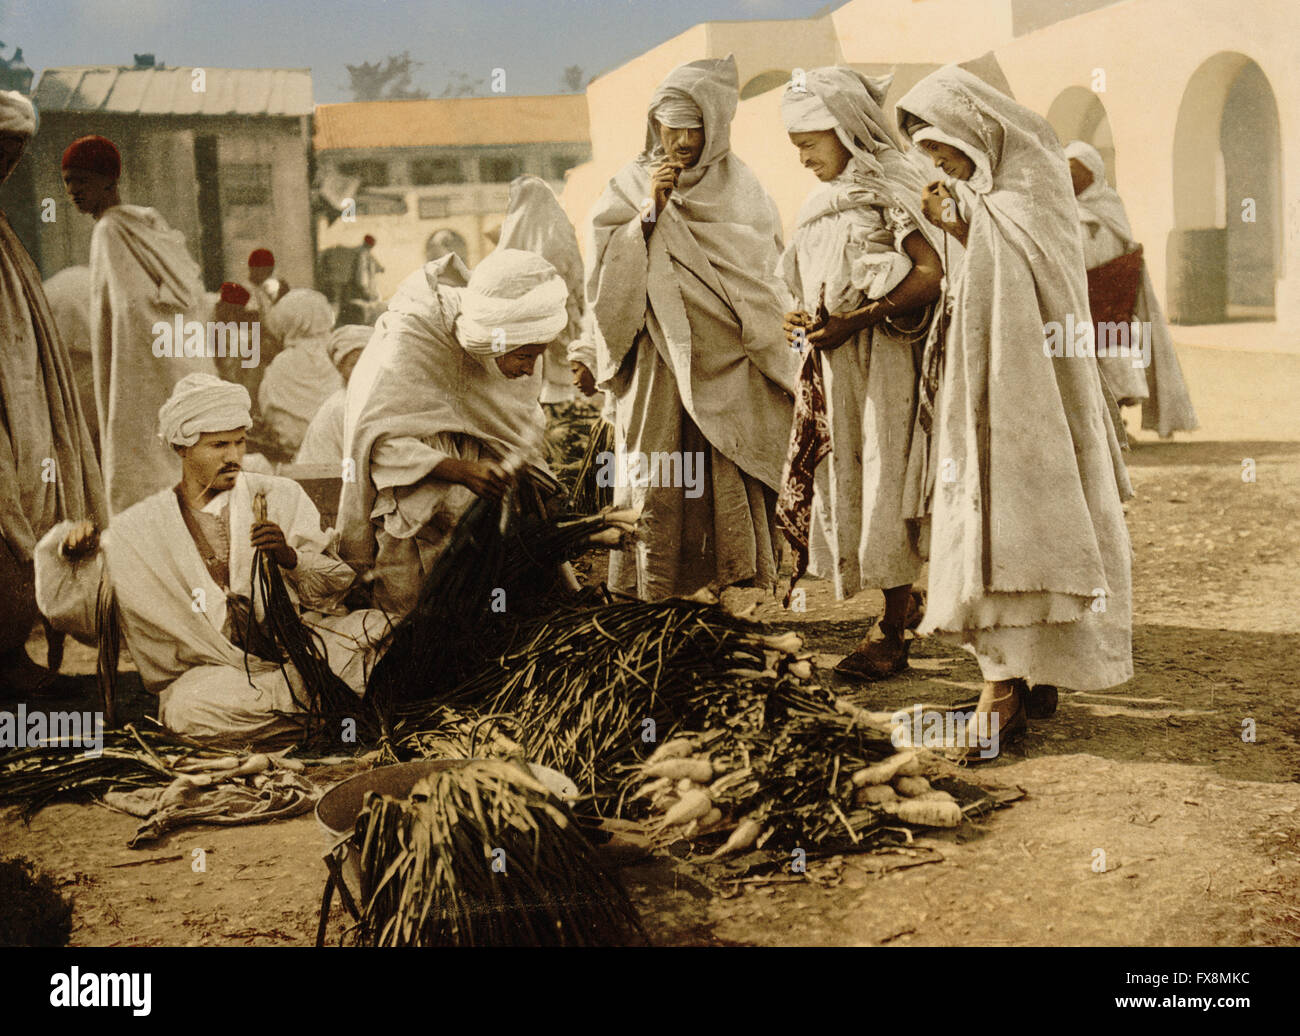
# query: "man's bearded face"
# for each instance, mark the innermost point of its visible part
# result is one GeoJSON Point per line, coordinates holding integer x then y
{"type": "Point", "coordinates": [216, 459]}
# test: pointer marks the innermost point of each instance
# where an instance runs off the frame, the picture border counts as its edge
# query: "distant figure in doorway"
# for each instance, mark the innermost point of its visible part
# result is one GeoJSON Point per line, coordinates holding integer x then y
{"type": "Point", "coordinates": [1166, 406]}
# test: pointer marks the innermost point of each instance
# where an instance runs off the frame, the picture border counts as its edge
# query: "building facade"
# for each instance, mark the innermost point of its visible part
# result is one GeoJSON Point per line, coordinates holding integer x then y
{"type": "Point", "coordinates": [430, 176]}
{"type": "Point", "coordinates": [223, 154]}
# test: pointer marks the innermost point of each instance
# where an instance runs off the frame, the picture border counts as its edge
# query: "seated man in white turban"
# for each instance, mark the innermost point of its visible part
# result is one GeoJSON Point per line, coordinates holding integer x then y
{"type": "Point", "coordinates": [443, 397]}
{"type": "Point", "coordinates": [180, 563]}
{"type": "Point", "coordinates": [322, 443]}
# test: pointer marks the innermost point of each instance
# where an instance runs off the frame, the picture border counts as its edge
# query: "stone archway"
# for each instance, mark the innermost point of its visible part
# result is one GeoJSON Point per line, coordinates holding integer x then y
{"type": "Point", "coordinates": [1225, 255]}
{"type": "Point", "coordinates": [1078, 114]}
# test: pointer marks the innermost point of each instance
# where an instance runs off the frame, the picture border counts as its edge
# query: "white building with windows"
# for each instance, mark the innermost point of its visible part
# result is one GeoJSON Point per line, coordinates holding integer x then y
{"type": "Point", "coordinates": [431, 176]}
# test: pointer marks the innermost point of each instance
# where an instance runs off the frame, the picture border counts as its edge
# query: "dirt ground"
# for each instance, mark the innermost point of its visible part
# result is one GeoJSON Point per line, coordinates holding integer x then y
{"type": "Point", "coordinates": [1199, 827]}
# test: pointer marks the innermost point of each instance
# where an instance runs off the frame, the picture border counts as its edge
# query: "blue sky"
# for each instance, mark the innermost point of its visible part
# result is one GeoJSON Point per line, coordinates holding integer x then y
{"type": "Point", "coordinates": [533, 40]}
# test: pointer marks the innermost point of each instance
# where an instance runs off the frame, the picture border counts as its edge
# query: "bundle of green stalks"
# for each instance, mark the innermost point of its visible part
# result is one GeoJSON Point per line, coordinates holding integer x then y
{"type": "Point", "coordinates": [325, 699]}
{"type": "Point", "coordinates": [483, 855]}
{"type": "Point", "coordinates": [498, 569]}
{"type": "Point", "coordinates": [62, 771]}
{"type": "Point", "coordinates": [587, 494]}
{"type": "Point", "coordinates": [582, 682]}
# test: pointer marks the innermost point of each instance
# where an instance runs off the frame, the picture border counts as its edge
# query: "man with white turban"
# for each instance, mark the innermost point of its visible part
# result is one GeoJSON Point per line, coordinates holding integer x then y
{"type": "Point", "coordinates": [443, 397]}
{"type": "Point", "coordinates": [862, 250]}
{"type": "Point", "coordinates": [1103, 223]}
{"type": "Point", "coordinates": [180, 564]}
{"type": "Point", "coordinates": [322, 443]}
{"type": "Point", "coordinates": [48, 470]}
{"type": "Point", "coordinates": [301, 377]}
{"type": "Point", "coordinates": [687, 312]}
{"type": "Point", "coordinates": [144, 287]}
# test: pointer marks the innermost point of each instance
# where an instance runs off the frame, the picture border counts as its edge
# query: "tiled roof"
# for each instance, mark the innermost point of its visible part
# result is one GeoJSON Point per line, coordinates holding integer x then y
{"type": "Point", "coordinates": [453, 122]}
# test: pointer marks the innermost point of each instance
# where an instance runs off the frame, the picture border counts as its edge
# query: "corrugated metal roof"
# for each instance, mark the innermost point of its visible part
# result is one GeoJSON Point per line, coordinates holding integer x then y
{"type": "Point", "coordinates": [454, 122]}
{"type": "Point", "coordinates": [170, 91]}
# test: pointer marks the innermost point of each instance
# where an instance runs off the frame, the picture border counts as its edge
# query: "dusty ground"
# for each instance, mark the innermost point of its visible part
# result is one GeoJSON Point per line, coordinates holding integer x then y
{"type": "Point", "coordinates": [1200, 829]}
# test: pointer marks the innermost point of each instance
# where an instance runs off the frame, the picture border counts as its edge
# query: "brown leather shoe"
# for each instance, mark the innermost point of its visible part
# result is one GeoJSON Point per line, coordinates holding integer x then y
{"type": "Point", "coordinates": [879, 659]}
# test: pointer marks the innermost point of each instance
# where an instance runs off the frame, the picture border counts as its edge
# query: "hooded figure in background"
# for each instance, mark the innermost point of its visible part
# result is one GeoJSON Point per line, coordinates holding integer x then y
{"type": "Point", "coordinates": [1166, 406]}
{"type": "Point", "coordinates": [536, 223]}
{"type": "Point", "coordinates": [301, 377]}
{"type": "Point", "coordinates": [683, 244]}
{"type": "Point", "coordinates": [1029, 553]}
{"type": "Point", "coordinates": [48, 470]}
{"type": "Point", "coordinates": [864, 253]}
{"type": "Point", "coordinates": [443, 397]}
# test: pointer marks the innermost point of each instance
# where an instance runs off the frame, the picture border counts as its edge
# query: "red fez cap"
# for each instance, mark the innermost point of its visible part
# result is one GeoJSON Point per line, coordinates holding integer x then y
{"type": "Point", "coordinates": [370, 240]}
{"type": "Point", "coordinates": [261, 257]}
{"type": "Point", "coordinates": [94, 154]}
{"type": "Point", "coordinates": [235, 294]}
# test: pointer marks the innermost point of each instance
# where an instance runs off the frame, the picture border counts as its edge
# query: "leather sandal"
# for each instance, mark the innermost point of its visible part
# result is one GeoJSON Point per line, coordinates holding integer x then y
{"type": "Point", "coordinates": [1009, 732]}
{"type": "Point", "coordinates": [879, 660]}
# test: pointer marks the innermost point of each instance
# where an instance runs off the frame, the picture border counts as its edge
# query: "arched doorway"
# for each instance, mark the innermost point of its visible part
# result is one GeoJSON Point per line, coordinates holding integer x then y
{"type": "Point", "coordinates": [1078, 114]}
{"type": "Point", "coordinates": [1225, 252]}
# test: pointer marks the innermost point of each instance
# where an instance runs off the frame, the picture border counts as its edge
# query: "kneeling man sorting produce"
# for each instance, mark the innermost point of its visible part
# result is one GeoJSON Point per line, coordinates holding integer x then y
{"type": "Point", "coordinates": [181, 565]}
{"type": "Point", "coordinates": [442, 408]}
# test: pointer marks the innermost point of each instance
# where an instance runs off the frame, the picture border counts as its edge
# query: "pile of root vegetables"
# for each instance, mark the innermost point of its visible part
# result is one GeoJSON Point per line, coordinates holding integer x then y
{"type": "Point", "coordinates": [747, 750]}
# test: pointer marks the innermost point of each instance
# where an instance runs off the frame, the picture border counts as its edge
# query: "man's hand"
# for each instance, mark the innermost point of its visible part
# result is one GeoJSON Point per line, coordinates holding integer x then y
{"type": "Point", "coordinates": [940, 207]}
{"type": "Point", "coordinates": [583, 378]}
{"type": "Point", "coordinates": [82, 541]}
{"type": "Point", "coordinates": [484, 478]}
{"type": "Point", "coordinates": [837, 329]}
{"type": "Point", "coordinates": [269, 538]}
{"type": "Point", "coordinates": [662, 183]}
{"type": "Point", "coordinates": [796, 326]}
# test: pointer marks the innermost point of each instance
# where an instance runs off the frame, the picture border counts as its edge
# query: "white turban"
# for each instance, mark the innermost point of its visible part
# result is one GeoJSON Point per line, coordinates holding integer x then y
{"type": "Point", "coordinates": [202, 403]}
{"type": "Point", "coordinates": [514, 298]}
{"type": "Point", "coordinates": [804, 112]}
{"type": "Point", "coordinates": [677, 110]}
{"type": "Point", "coordinates": [348, 339]}
{"type": "Point", "coordinates": [16, 114]}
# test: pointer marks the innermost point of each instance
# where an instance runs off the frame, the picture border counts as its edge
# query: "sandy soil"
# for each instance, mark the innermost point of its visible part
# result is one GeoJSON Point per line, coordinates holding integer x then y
{"type": "Point", "coordinates": [1200, 830]}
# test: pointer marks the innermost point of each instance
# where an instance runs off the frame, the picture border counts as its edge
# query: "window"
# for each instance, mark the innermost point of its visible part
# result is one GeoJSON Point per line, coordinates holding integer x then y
{"type": "Point", "coordinates": [371, 172]}
{"type": "Point", "coordinates": [435, 207]}
{"type": "Point", "coordinates": [245, 183]}
{"type": "Point", "coordinates": [500, 169]}
{"type": "Point", "coordinates": [427, 171]}
{"type": "Point", "coordinates": [380, 205]}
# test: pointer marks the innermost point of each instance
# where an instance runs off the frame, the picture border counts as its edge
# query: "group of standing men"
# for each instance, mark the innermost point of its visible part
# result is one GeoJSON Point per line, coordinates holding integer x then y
{"type": "Point", "coordinates": [877, 391]}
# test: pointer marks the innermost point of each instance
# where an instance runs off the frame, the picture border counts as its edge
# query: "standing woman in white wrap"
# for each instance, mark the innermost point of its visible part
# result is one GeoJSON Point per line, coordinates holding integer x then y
{"type": "Point", "coordinates": [1029, 558]}
{"type": "Point", "coordinates": [683, 245]}
{"type": "Point", "coordinates": [536, 223]}
{"type": "Point", "coordinates": [1166, 406]}
{"type": "Point", "coordinates": [861, 246]}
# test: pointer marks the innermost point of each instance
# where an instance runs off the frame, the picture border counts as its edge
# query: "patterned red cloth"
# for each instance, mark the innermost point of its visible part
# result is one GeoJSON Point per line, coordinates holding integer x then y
{"type": "Point", "coordinates": [810, 444]}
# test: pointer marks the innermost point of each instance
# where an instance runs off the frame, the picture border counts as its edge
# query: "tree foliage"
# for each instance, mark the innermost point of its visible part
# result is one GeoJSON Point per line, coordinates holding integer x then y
{"type": "Point", "coordinates": [387, 80]}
